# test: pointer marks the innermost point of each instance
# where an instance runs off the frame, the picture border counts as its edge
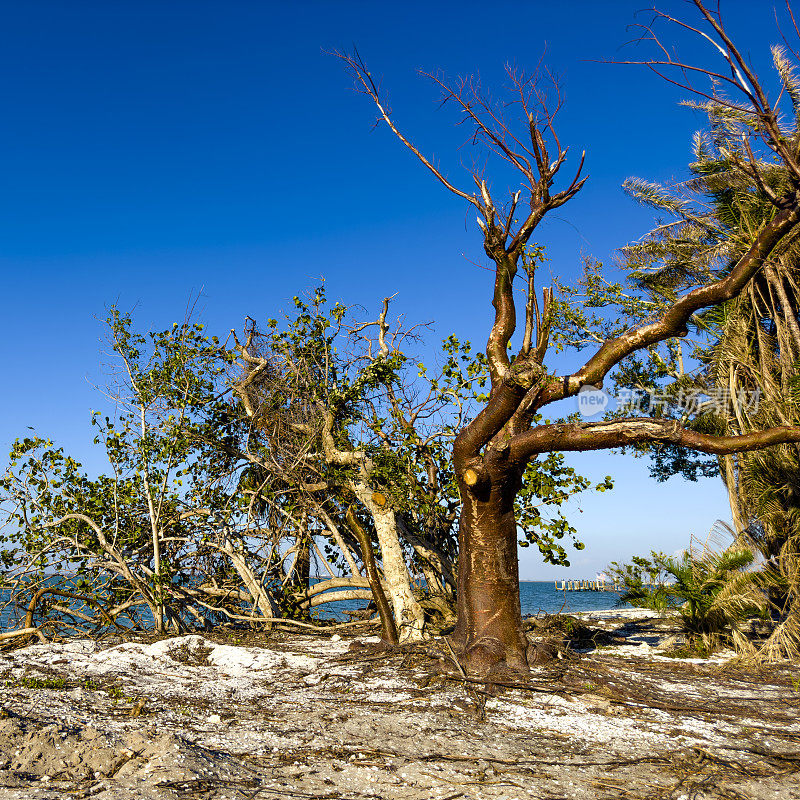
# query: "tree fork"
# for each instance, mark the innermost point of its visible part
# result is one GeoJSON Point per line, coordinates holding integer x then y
{"type": "Point", "coordinates": [489, 630]}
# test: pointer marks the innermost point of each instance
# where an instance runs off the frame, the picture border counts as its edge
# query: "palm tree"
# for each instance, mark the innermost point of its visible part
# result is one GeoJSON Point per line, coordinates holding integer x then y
{"type": "Point", "coordinates": [746, 355]}
{"type": "Point", "coordinates": [713, 589]}
{"type": "Point", "coordinates": [718, 592]}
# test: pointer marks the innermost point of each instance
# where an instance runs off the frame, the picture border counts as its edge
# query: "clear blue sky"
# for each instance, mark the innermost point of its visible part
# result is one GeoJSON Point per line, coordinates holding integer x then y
{"type": "Point", "coordinates": [150, 150]}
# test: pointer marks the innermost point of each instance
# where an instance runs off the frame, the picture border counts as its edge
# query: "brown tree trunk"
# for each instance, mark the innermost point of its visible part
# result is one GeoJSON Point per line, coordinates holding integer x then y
{"type": "Point", "coordinates": [489, 632]}
{"type": "Point", "coordinates": [491, 450]}
{"type": "Point", "coordinates": [302, 570]}
{"type": "Point", "coordinates": [388, 628]}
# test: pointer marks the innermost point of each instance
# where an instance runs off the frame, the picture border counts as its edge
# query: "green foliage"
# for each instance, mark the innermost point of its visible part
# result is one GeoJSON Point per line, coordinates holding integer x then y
{"type": "Point", "coordinates": [162, 445]}
{"type": "Point", "coordinates": [646, 581]}
{"type": "Point", "coordinates": [402, 413]}
{"type": "Point", "coordinates": [744, 348]}
{"type": "Point", "coordinates": [548, 484]}
{"type": "Point", "coordinates": [196, 491]}
{"type": "Point", "coordinates": [713, 591]}
{"type": "Point", "coordinates": [32, 682]}
{"type": "Point", "coordinates": [716, 591]}
{"type": "Point", "coordinates": [285, 598]}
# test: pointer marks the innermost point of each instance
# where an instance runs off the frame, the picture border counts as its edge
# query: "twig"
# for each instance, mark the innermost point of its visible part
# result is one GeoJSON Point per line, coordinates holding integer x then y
{"type": "Point", "coordinates": [455, 660]}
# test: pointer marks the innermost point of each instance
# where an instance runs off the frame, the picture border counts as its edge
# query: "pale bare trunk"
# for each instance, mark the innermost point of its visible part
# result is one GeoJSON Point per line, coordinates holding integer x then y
{"type": "Point", "coordinates": [437, 567]}
{"type": "Point", "coordinates": [408, 614]}
{"type": "Point", "coordinates": [158, 589]}
{"type": "Point", "coordinates": [337, 537]}
{"type": "Point", "coordinates": [260, 598]}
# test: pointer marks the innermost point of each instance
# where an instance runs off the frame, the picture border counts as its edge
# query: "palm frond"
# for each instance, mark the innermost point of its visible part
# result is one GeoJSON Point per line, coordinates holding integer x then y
{"type": "Point", "coordinates": [788, 75]}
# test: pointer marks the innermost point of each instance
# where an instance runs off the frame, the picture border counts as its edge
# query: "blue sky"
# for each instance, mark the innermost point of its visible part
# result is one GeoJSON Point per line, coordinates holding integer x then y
{"type": "Point", "coordinates": [154, 150]}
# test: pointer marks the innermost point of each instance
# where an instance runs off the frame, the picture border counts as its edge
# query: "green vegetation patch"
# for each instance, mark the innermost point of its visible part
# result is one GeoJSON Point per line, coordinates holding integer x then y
{"type": "Point", "coordinates": [32, 682]}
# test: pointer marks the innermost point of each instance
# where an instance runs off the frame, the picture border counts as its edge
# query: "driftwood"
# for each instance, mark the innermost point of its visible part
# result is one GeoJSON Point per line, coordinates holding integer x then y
{"type": "Point", "coordinates": [20, 632]}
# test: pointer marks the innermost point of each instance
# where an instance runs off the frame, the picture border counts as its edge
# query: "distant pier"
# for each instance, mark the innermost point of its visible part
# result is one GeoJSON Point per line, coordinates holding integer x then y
{"type": "Point", "coordinates": [598, 585]}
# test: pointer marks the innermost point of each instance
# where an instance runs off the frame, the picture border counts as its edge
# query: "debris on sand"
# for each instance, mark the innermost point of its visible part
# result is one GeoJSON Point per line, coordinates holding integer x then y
{"type": "Point", "coordinates": [310, 717]}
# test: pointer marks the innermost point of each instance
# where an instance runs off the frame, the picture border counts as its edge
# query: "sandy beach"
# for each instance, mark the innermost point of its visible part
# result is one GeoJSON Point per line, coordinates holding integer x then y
{"type": "Point", "coordinates": [283, 715]}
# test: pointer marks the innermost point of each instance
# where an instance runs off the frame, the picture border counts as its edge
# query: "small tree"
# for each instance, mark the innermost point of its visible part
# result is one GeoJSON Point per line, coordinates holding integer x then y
{"type": "Point", "coordinates": [166, 526]}
{"type": "Point", "coordinates": [713, 589]}
{"type": "Point", "coordinates": [646, 581]}
{"type": "Point", "coordinates": [491, 453]}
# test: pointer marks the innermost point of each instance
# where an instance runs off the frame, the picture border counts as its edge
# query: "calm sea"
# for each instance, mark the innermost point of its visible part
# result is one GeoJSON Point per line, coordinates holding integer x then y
{"type": "Point", "coordinates": [535, 597]}
{"type": "Point", "coordinates": [538, 596]}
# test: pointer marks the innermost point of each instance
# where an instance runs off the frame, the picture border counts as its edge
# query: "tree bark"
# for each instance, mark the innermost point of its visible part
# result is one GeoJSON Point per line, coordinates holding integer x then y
{"type": "Point", "coordinates": [437, 565]}
{"type": "Point", "coordinates": [302, 568]}
{"type": "Point", "coordinates": [260, 597]}
{"type": "Point", "coordinates": [489, 633]}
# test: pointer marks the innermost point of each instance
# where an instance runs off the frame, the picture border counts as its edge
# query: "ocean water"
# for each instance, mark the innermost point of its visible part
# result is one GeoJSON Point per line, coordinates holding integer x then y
{"type": "Point", "coordinates": [535, 597]}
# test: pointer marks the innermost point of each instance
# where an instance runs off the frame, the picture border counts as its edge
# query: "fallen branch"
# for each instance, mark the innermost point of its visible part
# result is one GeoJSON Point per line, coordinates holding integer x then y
{"type": "Point", "coordinates": [20, 632]}
{"type": "Point", "coordinates": [90, 601]}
